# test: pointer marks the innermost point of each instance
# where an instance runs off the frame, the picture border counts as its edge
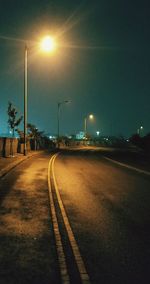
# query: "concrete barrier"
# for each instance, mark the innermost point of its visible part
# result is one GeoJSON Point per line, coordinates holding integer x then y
{"type": "Point", "coordinates": [21, 147]}
{"type": "Point", "coordinates": [10, 147]}
{"type": "Point", "coordinates": [1, 146]}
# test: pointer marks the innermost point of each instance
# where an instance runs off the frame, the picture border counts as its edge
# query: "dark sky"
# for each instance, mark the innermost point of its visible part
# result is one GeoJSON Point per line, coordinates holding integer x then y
{"type": "Point", "coordinates": [102, 64]}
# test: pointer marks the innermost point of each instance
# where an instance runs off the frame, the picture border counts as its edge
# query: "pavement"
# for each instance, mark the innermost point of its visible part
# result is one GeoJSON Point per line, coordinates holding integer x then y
{"type": "Point", "coordinates": [141, 164]}
{"type": "Point", "coordinates": [7, 163]}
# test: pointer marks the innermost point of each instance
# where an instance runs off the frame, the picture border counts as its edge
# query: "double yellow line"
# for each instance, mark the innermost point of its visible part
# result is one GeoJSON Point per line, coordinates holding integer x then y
{"type": "Point", "coordinates": [59, 246]}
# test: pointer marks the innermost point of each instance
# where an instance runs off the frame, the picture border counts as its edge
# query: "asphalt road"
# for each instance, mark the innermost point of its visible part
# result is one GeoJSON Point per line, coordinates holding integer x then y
{"type": "Point", "coordinates": [109, 210]}
{"type": "Point", "coordinates": [108, 207]}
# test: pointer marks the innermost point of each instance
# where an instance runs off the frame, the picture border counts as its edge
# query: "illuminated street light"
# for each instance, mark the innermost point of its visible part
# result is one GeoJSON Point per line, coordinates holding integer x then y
{"type": "Point", "coordinates": [48, 44]}
{"type": "Point", "coordinates": [97, 133]}
{"type": "Point", "coordinates": [91, 117]}
{"type": "Point", "coordinates": [58, 118]}
{"type": "Point", "coordinates": [140, 130]}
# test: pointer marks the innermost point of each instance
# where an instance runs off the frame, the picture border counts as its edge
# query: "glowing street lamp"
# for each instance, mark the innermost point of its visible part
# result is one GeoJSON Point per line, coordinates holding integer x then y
{"type": "Point", "coordinates": [48, 45]}
{"type": "Point", "coordinates": [139, 130]}
{"type": "Point", "coordinates": [91, 117]}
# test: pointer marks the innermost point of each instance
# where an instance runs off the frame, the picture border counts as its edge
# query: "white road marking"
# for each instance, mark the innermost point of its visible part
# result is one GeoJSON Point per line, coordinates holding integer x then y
{"type": "Point", "coordinates": [60, 252]}
{"type": "Point", "coordinates": [78, 258]}
{"type": "Point", "coordinates": [127, 166]}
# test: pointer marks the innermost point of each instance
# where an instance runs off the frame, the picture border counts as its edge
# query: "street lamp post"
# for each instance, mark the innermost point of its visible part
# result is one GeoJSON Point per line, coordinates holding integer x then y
{"type": "Point", "coordinates": [139, 130]}
{"type": "Point", "coordinates": [25, 97]}
{"type": "Point", "coordinates": [47, 45]}
{"type": "Point", "coordinates": [85, 124]}
{"type": "Point", "coordinates": [58, 119]}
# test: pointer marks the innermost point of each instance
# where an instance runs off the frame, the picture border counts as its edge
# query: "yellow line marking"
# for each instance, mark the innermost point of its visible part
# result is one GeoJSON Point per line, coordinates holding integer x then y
{"type": "Point", "coordinates": [59, 247]}
{"type": "Point", "coordinates": [78, 258]}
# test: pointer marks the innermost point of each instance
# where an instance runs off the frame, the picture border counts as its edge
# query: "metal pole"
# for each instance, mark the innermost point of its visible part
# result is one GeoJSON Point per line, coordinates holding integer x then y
{"type": "Point", "coordinates": [25, 98]}
{"type": "Point", "coordinates": [58, 116]}
{"type": "Point", "coordinates": [85, 127]}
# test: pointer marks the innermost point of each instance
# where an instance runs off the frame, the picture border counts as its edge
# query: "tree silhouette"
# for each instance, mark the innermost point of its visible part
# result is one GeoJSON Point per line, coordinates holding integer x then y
{"type": "Point", "coordinates": [13, 121]}
{"type": "Point", "coordinates": [34, 134]}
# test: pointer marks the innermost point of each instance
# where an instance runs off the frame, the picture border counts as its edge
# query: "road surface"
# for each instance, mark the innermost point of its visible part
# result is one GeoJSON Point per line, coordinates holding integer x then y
{"type": "Point", "coordinates": [108, 207]}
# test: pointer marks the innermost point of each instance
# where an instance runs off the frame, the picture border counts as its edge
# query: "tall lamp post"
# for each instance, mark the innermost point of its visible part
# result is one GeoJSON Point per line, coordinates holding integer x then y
{"type": "Point", "coordinates": [140, 129]}
{"type": "Point", "coordinates": [25, 97]}
{"type": "Point", "coordinates": [85, 124]}
{"type": "Point", "coordinates": [47, 45]}
{"type": "Point", "coordinates": [58, 119]}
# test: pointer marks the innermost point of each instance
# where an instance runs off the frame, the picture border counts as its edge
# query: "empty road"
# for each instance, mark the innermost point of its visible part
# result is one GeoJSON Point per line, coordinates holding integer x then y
{"type": "Point", "coordinates": [108, 208]}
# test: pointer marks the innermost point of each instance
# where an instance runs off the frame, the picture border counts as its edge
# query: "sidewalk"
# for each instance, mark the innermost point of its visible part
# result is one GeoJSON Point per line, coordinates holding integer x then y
{"type": "Point", "coordinates": [27, 245]}
{"type": "Point", "coordinates": [6, 164]}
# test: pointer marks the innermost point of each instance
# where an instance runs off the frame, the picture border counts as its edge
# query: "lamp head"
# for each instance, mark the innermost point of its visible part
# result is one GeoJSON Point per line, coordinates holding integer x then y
{"type": "Point", "coordinates": [48, 44]}
{"type": "Point", "coordinates": [91, 116]}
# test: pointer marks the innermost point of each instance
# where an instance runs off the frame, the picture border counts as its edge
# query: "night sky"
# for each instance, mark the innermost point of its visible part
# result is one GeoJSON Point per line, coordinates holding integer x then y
{"type": "Point", "coordinates": [102, 64]}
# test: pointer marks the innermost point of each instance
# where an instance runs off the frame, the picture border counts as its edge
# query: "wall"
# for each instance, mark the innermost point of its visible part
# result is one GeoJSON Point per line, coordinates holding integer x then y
{"type": "Point", "coordinates": [1, 146]}
{"type": "Point", "coordinates": [8, 146]}
{"type": "Point", "coordinates": [21, 147]}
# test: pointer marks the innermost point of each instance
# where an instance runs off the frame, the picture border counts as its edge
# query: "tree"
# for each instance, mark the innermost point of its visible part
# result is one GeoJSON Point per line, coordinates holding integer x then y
{"type": "Point", "coordinates": [34, 134]}
{"type": "Point", "coordinates": [13, 121]}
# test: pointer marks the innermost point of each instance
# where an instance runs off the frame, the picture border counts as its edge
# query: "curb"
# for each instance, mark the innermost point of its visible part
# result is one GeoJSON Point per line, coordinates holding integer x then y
{"type": "Point", "coordinates": [12, 165]}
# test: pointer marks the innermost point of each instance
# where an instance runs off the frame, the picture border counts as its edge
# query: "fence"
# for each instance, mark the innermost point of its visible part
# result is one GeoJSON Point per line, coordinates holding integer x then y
{"type": "Point", "coordinates": [11, 146]}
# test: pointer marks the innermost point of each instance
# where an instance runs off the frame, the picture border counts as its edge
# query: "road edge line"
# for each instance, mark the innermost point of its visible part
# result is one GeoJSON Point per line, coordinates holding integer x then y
{"type": "Point", "coordinates": [77, 255]}
{"type": "Point", "coordinates": [127, 166]}
{"type": "Point", "coordinates": [59, 247]}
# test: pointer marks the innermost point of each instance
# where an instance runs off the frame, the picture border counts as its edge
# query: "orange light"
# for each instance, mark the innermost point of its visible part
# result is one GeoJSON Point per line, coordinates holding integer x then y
{"type": "Point", "coordinates": [48, 44]}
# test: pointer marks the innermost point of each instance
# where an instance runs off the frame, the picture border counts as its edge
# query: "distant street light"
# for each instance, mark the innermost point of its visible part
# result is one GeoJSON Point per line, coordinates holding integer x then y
{"type": "Point", "coordinates": [97, 133]}
{"type": "Point", "coordinates": [140, 130]}
{"type": "Point", "coordinates": [91, 116]}
{"type": "Point", "coordinates": [58, 118]}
